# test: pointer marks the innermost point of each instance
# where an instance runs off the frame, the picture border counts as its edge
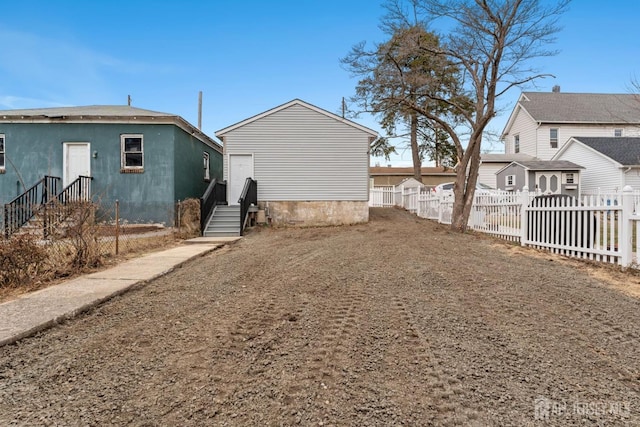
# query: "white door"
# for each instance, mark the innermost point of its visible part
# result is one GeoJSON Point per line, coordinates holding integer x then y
{"type": "Point", "coordinates": [76, 161]}
{"type": "Point", "coordinates": [548, 182]}
{"type": "Point", "coordinates": [240, 168]}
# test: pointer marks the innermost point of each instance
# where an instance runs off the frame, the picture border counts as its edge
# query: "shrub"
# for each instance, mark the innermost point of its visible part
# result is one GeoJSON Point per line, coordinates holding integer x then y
{"type": "Point", "coordinates": [188, 218]}
{"type": "Point", "coordinates": [21, 260]}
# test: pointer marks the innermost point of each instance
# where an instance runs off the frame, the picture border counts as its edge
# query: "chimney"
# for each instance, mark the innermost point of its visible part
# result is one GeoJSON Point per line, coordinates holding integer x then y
{"type": "Point", "coordinates": [556, 89]}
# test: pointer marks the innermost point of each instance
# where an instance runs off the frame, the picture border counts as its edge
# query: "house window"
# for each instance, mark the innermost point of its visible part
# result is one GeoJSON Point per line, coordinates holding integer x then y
{"type": "Point", "coordinates": [617, 133]}
{"type": "Point", "coordinates": [553, 137]}
{"type": "Point", "coordinates": [569, 179]}
{"type": "Point", "coordinates": [510, 180]}
{"type": "Point", "coordinates": [1, 153]}
{"type": "Point", "coordinates": [205, 159]}
{"type": "Point", "coordinates": [516, 143]}
{"type": "Point", "coordinates": [132, 153]}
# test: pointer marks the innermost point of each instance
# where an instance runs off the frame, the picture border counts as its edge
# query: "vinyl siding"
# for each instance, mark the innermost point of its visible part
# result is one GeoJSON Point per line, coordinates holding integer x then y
{"type": "Point", "coordinates": [487, 173]}
{"type": "Point", "coordinates": [632, 178]}
{"type": "Point", "coordinates": [524, 126]}
{"type": "Point", "coordinates": [513, 169]}
{"type": "Point", "coordinates": [302, 155]}
{"type": "Point", "coordinates": [600, 172]}
{"type": "Point", "coordinates": [565, 132]}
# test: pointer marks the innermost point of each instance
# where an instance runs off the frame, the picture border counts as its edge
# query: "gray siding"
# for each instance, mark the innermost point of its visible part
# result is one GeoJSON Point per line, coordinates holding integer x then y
{"type": "Point", "coordinates": [513, 169]}
{"type": "Point", "coordinates": [300, 154]}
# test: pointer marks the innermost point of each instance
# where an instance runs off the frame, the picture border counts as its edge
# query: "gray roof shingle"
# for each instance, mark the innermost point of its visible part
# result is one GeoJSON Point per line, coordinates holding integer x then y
{"type": "Point", "coordinates": [559, 107]}
{"type": "Point", "coordinates": [550, 165]}
{"type": "Point", "coordinates": [624, 150]}
{"type": "Point", "coordinates": [86, 111]}
{"type": "Point", "coordinates": [505, 158]}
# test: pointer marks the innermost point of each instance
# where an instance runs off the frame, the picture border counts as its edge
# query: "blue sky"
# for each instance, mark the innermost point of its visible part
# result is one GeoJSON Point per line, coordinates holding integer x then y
{"type": "Point", "coordinates": [249, 56]}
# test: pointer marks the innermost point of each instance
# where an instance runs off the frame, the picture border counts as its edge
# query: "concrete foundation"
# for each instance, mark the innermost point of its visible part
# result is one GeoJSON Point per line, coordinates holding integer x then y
{"type": "Point", "coordinates": [316, 213]}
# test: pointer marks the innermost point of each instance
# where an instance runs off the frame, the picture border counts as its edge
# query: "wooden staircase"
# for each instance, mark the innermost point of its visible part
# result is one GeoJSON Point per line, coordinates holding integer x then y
{"type": "Point", "coordinates": [224, 222]}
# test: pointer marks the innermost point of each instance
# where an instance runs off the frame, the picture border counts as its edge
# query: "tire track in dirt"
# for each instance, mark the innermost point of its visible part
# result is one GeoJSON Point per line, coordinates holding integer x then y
{"type": "Point", "coordinates": [396, 322]}
{"type": "Point", "coordinates": [445, 390]}
{"type": "Point", "coordinates": [538, 326]}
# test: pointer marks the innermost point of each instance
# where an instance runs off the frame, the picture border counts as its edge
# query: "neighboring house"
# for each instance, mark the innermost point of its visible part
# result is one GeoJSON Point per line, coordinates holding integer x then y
{"type": "Point", "coordinates": [431, 176]}
{"type": "Point", "coordinates": [610, 163]}
{"type": "Point", "coordinates": [547, 177]}
{"type": "Point", "coordinates": [311, 166]}
{"type": "Point", "coordinates": [490, 163]}
{"type": "Point", "coordinates": [145, 159]}
{"type": "Point", "coordinates": [542, 122]}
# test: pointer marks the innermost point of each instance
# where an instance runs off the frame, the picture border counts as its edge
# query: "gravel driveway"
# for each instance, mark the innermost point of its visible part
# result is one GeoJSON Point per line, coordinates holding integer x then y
{"type": "Point", "coordinates": [396, 322]}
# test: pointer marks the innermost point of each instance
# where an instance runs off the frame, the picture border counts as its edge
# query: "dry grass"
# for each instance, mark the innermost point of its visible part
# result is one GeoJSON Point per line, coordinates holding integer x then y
{"type": "Point", "coordinates": [626, 281]}
{"type": "Point", "coordinates": [55, 266]}
{"type": "Point", "coordinates": [79, 242]}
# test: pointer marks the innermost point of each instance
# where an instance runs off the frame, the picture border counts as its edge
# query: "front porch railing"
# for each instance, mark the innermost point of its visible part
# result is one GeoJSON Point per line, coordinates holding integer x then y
{"type": "Point", "coordinates": [248, 197]}
{"type": "Point", "coordinates": [60, 207]}
{"type": "Point", "coordinates": [23, 208]}
{"type": "Point", "coordinates": [215, 194]}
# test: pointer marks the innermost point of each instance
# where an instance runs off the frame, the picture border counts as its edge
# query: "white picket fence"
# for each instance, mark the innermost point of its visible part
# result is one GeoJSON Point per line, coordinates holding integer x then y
{"type": "Point", "coordinates": [382, 197]}
{"type": "Point", "coordinates": [601, 227]}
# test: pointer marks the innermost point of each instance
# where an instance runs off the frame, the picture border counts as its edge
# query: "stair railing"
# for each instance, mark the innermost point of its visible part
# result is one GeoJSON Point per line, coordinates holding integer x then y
{"type": "Point", "coordinates": [61, 206]}
{"type": "Point", "coordinates": [24, 207]}
{"type": "Point", "coordinates": [248, 197]}
{"type": "Point", "coordinates": [215, 194]}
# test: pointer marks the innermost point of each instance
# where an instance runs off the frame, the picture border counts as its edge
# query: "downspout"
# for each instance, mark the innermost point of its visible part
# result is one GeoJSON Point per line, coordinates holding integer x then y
{"type": "Point", "coordinates": [624, 177]}
{"type": "Point", "coordinates": [537, 142]}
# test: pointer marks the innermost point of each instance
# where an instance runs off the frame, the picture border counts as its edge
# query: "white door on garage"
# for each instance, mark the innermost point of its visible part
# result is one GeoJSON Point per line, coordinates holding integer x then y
{"type": "Point", "coordinates": [76, 161]}
{"type": "Point", "coordinates": [240, 168]}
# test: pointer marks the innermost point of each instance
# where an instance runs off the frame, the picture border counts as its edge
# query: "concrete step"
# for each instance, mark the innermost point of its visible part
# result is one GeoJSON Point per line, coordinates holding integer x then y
{"type": "Point", "coordinates": [224, 219]}
{"type": "Point", "coordinates": [227, 215]}
{"type": "Point", "coordinates": [227, 226]}
{"type": "Point", "coordinates": [224, 223]}
{"type": "Point", "coordinates": [220, 234]}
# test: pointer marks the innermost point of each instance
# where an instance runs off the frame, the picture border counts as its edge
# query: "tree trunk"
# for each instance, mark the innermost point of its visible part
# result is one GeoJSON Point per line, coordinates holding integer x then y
{"type": "Point", "coordinates": [415, 153]}
{"type": "Point", "coordinates": [465, 186]}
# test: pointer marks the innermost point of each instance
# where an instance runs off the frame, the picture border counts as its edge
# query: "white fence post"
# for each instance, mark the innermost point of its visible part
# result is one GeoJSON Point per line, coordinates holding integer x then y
{"type": "Point", "coordinates": [524, 225]}
{"type": "Point", "coordinates": [624, 234]}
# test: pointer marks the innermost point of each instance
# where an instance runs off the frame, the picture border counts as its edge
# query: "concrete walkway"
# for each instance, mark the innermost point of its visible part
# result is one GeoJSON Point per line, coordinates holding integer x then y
{"type": "Point", "coordinates": [42, 309]}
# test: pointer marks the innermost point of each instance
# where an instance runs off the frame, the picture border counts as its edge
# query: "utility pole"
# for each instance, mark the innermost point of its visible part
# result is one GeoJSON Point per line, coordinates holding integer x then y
{"type": "Point", "coordinates": [200, 110]}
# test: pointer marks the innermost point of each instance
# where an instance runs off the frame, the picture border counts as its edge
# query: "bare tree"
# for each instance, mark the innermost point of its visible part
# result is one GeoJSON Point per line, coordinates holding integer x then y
{"type": "Point", "coordinates": [394, 79]}
{"type": "Point", "coordinates": [492, 41]}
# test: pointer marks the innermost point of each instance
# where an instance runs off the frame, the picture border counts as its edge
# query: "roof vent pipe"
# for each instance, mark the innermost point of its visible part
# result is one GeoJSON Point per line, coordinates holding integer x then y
{"type": "Point", "coordinates": [556, 89]}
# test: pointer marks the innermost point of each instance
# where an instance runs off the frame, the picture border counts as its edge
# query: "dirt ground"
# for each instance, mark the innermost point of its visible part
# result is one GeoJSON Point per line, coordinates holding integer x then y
{"type": "Point", "coordinates": [394, 322]}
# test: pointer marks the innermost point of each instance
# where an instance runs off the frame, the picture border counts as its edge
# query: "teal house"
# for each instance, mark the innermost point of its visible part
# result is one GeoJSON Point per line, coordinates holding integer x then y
{"type": "Point", "coordinates": [145, 159]}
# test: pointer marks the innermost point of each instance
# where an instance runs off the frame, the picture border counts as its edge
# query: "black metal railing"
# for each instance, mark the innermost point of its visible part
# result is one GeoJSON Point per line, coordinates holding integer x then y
{"type": "Point", "coordinates": [248, 197]}
{"type": "Point", "coordinates": [215, 194]}
{"type": "Point", "coordinates": [23, 208]}
{"type": "Point", "coordinates": [60, 207]}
